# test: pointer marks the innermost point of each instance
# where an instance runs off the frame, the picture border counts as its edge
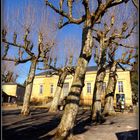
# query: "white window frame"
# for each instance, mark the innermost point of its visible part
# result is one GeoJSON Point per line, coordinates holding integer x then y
{"type": "Point", "coordinates": [120, 86]}
{"type": "Point", "coordinates": [51, 88]}
{"type": "Point", "coordinates": [88, 87]}
{"type": "Point", "coordinates": [41, 89]}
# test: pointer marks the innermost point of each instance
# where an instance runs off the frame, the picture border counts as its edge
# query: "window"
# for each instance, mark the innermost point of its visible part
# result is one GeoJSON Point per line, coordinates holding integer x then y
{"type": "Point", "coordinates": [104, 86]}
{"type": "Point", "coordinates": [65, 89]}
{"type": "Point", "coordinates": [120, 86]}
{"type": "Point", "coordinates": [41, 89]}
{"type": "Point", "coordinates": [51, 88]}
{"type": "Point", "coordinates": [88, 87]}
{"type": "Point", "coordinates": [119, 98]}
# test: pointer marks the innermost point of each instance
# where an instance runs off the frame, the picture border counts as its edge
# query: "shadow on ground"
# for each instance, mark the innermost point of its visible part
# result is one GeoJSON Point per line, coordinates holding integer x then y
{"type": "Point", "coordinates": [128, 135]}
{"type": "Point", "coordinates": [28, 128]}
{"type": "Point", "coordinates": [41, 125]}
{"type": "Point", "coordinates": [38, 125]}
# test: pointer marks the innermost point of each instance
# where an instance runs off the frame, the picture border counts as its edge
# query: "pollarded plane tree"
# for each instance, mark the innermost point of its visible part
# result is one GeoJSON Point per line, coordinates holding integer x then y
{"type": "Point", "coordinates": [105, 37]}
{"type": "Point", "coordinates": [43, 50]}
{"type": "Point", "coordinates": [29, 50]}
{"type": "Point", "coordinates": [62, 72]}
{"type": "Point", "coordinates": [89, 19]}
{"type": "Point", "coordinates": [127, 31]}
{"type": "Point", "coordinates": [100, 58]}
{"type": "Point", "coordinates": [125, 59]}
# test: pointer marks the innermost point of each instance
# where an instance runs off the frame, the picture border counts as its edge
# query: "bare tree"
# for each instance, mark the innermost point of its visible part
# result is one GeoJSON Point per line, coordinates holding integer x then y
{"type": "Point", "coordinates": [62, 73]}
{"type": "Point", "coordinates": [110, 91]}
{"type": "Point", "coordinates": [106, 37]}
{"type": "Point", "coordinates": [27, 47]}
{"type": "Point", "coordinates": [100, 58]}
{"type": "Point", "coordinates": [89, 19]}
{"type": "Point", "coordinates": [62, 76]}
{"type": "Point", "coordinates": [26, 51]}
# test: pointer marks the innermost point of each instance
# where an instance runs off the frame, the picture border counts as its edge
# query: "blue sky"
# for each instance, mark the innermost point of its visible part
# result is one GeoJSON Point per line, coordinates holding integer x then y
{"type": "Point", "coordinates": [73, 32]}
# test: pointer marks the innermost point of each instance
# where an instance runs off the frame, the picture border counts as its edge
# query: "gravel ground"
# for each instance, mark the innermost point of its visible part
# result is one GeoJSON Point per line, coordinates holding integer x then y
{"type": "Point", "coordinates": [37, 126]}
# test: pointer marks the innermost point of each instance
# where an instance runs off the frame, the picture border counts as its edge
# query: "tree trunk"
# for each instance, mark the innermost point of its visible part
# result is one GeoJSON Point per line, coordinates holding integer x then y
{"type": "Point", "coordinates": [110, 91]}
{"type": "Point", "coordinates": [56, 99]}
{"type": "Point", "coordinates": [29, 84]}
{"type": "Point", "coordinates": [98, 88]}
{"type": "Point", "coordinates": [72, 102]}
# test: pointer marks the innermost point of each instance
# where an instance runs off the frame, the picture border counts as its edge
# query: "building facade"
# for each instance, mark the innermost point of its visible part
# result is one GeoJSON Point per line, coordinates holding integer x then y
{"type": "Point", "coordinates": [44, 86]}
{"type": "Point", "coordinates": [12, 92]}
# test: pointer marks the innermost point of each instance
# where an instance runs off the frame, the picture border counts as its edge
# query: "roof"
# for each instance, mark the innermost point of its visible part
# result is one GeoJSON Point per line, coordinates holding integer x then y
{"type": "Point", "coordinates": [90, 68]}
{"type": "Point", "coordinates": [45, 73]}
{"type": "Point", "coordinates": [4, 94]}
{"type": "Point", "coordinates": [12, 83]}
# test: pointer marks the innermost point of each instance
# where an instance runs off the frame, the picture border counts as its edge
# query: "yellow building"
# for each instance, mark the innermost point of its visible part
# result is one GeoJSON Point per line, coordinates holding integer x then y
{"type": "Point", "coordinates": [44, 86]}
{"type": "Point", "coordinates": [13, 92]}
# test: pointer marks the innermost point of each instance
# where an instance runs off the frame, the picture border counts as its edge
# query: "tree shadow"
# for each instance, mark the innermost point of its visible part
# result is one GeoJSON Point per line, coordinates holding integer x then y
{"type": "Point", "coordinates": [128, 135]}
{"type": "Point", "coordinates": [34, 115]}
{"type": "Point", "coordinates": [32, 128]}
{"type": "Point", "coordinates": [41, 125]}
{"type": "Point", "coordinates": [10, 112]}
{"type": "Point", "coordinates": [83, 122]}
{"type": "Point", "coordinates": [30, 132]}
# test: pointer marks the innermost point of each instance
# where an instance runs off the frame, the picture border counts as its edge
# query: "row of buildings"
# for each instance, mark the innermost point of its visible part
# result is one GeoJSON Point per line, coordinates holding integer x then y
{"type": "Point", "coordinates": [44, 86]}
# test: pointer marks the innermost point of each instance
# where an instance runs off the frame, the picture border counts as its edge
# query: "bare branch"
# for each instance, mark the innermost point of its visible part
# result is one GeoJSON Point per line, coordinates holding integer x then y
{"type": "Point", "coordinates": [136, 4]}
{"type": "Point", "coordinates": [96, 38]}
{"type": "Point", "coordinates": [116, 2]}
{"type": "Point", "coordinates": [62, 13]}
{"type": "Point", "coordinates": [121, 66]}
{"type": "Point", "coordinates": [122, 45]}
{"type": "Point", "coordinates": [17, 60]}
{"type": "Point", "coordinates": [121, 36]}
{"type": "Point", "coordinates": [87, 11]}
{"type": "Point", "coordinates": [70, 7]}
{"type": "Point", "coordinates": [19, 46]}
{"type": "Point", "coordinates": [99, 2]}
{"type": "Point", "coordinates": [5, 50]}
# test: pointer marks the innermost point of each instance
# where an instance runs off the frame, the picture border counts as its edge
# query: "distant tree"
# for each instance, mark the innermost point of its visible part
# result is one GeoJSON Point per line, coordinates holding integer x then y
{"type": "Point", "coordinates": [7, 74]}
{"type": "Point", "coordinates": [89, 19]}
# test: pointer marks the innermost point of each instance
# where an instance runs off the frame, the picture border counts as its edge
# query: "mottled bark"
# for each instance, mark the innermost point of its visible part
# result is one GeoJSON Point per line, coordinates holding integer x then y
{"type": "Point", "coordinates": [110, 91]}
{"type": "Point", "coordinates": [101, 72]}
{"type": "Point", "coordinates": [56, 99]}
{"type": "Point", "coordinates": [72, 102]}
{"type": "Point", "coordinates": [29, 84]}
{"type": "Point", "coordinates": [96, 104]}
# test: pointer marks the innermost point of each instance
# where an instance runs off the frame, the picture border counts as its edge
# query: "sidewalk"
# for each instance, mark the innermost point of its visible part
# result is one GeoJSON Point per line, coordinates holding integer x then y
{"type": "Point", "coordinates": [121, 127]}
